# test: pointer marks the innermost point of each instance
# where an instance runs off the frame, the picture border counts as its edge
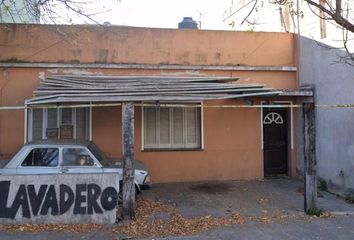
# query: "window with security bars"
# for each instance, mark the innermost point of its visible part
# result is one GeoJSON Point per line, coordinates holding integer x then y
{"type": "Point", "coordinates": [172, 128]}
{"type": "Point", "coordinates": [48, 123]}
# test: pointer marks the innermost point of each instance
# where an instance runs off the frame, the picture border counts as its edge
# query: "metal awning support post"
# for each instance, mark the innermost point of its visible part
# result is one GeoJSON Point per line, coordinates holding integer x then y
{"type": "Point", "coordinates": [310, 181]}
{"type": "Point", "coordinates": [128, 160]}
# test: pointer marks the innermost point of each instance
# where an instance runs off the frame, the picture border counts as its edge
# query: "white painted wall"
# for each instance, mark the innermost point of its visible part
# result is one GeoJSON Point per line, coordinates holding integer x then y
{"type": "Point", "coordinates": [334, 84]}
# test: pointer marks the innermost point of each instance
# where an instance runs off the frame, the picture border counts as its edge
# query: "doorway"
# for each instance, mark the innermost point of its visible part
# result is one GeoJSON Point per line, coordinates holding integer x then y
{"type": "Point", "coordinates": [275, 140]}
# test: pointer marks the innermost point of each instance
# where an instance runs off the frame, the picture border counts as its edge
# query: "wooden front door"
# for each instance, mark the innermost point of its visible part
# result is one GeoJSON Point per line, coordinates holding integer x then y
{"type": "Point", "coordinates": [275, 142]}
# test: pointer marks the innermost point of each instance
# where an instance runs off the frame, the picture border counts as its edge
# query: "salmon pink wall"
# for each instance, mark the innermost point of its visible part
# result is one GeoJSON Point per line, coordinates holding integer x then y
{"type": "Point", "coordinates": [232, 137]}
{"type": "Point", "coordinates": [232, 149]}
{"type": "Point", "coordinates": [232, 145]}
{"type": "Point", "coordinates": [116, 44]}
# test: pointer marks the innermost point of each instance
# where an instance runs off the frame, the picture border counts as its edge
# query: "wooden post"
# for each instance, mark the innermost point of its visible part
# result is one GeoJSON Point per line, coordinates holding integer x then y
{"type": "Point", "coordinates": [310, 179]}
{"type": "Point", "coordinates": [128, 160]}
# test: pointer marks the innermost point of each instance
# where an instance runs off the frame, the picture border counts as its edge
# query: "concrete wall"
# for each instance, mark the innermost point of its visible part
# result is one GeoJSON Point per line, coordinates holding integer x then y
{"type": "Point", "coordinates": [113, 44]}
{"type": "Point", "coordinates": [334, 84]}
{"type": "Point", "coordinates": [85, 198]}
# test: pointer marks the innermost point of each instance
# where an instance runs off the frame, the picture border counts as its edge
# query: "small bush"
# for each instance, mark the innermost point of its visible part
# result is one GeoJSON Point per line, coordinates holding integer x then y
{"type": "Point", "coordinates": [349, 198]}
{"type": "Point", "coordinates": [315, 212]}
{"type": "Point", "coordinates": [322, 185]}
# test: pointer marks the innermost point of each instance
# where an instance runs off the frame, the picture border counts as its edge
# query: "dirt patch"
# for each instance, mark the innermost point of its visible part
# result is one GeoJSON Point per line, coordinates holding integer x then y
{"type": "Point", "coordinates": [211, 188]}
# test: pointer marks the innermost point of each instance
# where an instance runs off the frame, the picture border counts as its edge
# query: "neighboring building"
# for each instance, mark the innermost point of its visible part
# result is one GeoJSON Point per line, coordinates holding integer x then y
{"type": "Point", "coordinates": [213, 142]}
{"type": "Point", "coordinates": [19, 11]}
{"type": "Point", "coordinates": [334, 84]}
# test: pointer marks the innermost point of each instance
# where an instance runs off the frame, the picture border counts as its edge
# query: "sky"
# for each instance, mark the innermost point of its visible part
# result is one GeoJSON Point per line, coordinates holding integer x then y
{"type": "Point", "coordinates": [210, 14]}
{"type": "Point", "coordinates": [165, 13]}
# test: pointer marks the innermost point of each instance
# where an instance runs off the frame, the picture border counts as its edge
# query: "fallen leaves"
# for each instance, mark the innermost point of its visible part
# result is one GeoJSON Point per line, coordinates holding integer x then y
{"type": "Point", "coordinates": [236, 218]}
{"type": "Point", "coordinates": [148, 222]}
{"type": "Point", "coordinates": [263, 201]}
{"type": "Point", "coordinates": [146, 225]}
{"type": "Point", "coordinates": [145, 207]}
{"type": "Point", "coordinates": [67, 228]}
{"type": "Point", "coordinates": [280, 217]}
{"type": "Point", "coordinates": [177, 225]}
{"type": "Point", "coordinates": [157, 219]}
{"type": "Point", "coordinates": [325, 214]}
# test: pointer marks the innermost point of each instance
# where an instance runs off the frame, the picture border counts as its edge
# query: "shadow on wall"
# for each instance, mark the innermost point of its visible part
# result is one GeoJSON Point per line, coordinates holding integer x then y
{"type": "Point", "coordinates": [333, 81]}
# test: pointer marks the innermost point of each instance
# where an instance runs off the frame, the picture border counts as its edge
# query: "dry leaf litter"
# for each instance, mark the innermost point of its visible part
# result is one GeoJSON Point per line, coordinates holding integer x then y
{"type": "Point", "coordinates": [146, 224]}
{"type": "Point", "coordinates": [67, 228]}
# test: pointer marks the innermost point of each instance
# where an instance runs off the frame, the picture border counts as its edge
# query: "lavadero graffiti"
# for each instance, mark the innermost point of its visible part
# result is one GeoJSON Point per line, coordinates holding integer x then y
{"type": "Point", "coordinates": [81, 198]}
{"type": "Point", "coordinates": [86, 198]}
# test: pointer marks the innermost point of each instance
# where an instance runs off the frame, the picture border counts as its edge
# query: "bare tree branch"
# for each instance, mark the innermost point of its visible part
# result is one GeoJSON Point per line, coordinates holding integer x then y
{"type": "Point", "coordinates": [51, 11]}
{"type": "Point", "coordinates": [329, 10]}
{"type": "Point", "coordinates": [233, 13]}
{"type": "Point", "coordinates": [253, 7]}
{"type": "Point", "coordinates": [336, 15]}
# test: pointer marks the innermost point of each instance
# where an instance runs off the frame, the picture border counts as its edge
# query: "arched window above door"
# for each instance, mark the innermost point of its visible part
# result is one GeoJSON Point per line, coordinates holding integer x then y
{"type": "Point", "coordinates": [273, 117]}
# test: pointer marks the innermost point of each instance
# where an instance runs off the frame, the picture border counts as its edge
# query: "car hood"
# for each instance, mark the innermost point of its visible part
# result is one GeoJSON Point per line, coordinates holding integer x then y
{"type": "Point", "coordinates": [118, 163]}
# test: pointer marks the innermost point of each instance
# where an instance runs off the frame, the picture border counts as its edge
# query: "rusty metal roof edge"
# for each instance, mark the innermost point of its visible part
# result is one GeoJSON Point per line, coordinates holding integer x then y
{"type": "Point", "coordinates": [146, 66]}
{"type": "Point", "coordinates": [297, 93]}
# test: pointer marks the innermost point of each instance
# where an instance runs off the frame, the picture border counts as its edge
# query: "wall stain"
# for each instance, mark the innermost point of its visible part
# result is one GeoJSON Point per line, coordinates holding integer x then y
{"type": "Point", "coordinates": [218, 56]}
{"type": "Point", "coordinates": [103, 55]}
{"type": "Point", "coordinates": [77, 53]}
{"type": "Point", "coordinates": [183, 58]}
{"type": "Point", "coordinates": [201, 57]}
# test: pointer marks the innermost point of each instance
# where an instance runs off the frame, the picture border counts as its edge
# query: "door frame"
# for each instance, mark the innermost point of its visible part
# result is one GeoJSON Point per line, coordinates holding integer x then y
{"type": "Point", "coordinates": [290, 130]}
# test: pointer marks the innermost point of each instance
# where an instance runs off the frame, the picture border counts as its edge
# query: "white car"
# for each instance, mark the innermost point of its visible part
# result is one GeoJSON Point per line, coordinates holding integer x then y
{"type": "Point", "coordinates": [68, 156]}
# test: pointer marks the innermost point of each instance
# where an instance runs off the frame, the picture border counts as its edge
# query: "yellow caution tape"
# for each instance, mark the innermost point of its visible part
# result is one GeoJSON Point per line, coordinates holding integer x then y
{"type": "Point", "coordinates": [173, 105]}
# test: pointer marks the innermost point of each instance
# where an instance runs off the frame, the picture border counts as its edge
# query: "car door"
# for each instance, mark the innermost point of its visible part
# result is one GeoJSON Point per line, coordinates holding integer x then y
{"type": "Point", "coordinates": [79, 160]}
{"type": "Point", "coordinates": [40, 160]}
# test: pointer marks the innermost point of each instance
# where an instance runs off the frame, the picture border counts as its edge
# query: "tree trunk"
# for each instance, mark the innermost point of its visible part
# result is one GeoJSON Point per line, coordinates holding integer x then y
{"type": "Point", "coordinates": [128, 160]}
{"type": "Point", "coordinates": [310, 181]}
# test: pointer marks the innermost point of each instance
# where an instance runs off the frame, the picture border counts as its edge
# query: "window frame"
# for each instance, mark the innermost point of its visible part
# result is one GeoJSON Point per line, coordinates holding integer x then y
{"type": "Point", "coordinates": [96, 163]}
{"type": "Point", "coordinates": [38, 147]}
{"type": "Point", "coordinates": [29, 123]}
{"type": "Point", "coordinates": [162, 149]}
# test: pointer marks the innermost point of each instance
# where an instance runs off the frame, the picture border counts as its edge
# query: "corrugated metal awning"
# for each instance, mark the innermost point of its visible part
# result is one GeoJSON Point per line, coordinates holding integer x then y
{"type": "Point", "coordinates": [82, 88]}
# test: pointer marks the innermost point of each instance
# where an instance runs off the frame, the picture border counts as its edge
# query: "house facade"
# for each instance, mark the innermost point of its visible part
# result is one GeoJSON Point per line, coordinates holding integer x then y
{"type": "Point", "coordinates": [203, 139]}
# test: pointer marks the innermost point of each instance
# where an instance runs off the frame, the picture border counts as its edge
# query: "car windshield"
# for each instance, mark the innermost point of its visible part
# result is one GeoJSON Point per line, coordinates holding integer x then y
{"type": "Point", "coordinates": [100, 156]}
